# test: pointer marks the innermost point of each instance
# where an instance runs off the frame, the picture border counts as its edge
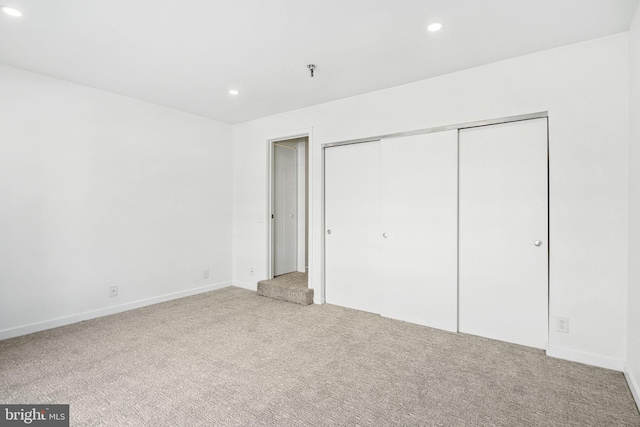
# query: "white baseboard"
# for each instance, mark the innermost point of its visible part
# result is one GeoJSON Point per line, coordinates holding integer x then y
{"type": "Point", "coordinates": [243, 285]}
{"type": "Point", "coordinates": [586, 358]}
{"type": "Point", "coordinates": [75, 318]}
{"type": "Point", "coordinates": [317, 296]}
{"type": "Point", "coordinates": [634, 385]}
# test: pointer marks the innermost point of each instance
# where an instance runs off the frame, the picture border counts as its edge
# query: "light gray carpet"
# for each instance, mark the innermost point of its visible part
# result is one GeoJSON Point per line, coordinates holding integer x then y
{"type": "Point", "coordinates": [231, 357]}
{"type": "Point", "coordinates": [291, 287]}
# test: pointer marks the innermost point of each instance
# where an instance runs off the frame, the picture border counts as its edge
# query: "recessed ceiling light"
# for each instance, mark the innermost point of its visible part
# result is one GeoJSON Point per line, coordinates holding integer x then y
{"type": "Point", "coordinates": [11, 11]}
{"type": "Point", "coordinates": [233, 92]}
{"type": "Point", "coordinates": [436, 26]}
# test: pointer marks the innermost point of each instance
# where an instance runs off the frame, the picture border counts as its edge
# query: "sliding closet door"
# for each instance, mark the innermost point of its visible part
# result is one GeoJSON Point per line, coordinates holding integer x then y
{"type": "Point", "coordinates": [419, 229]}
{"type": "Point", "coordinates": [503, 229]}
{"type": "Point", "coordinates": [352, 220]}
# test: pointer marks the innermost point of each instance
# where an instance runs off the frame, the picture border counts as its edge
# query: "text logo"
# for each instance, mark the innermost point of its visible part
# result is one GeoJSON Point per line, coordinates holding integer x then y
{"type": "Point", "coordinates": [34, 415]}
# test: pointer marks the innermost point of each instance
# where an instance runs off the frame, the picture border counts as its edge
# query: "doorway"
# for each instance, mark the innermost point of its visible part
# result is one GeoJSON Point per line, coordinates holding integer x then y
{"type": "Point", "coordinates": [289, 212]}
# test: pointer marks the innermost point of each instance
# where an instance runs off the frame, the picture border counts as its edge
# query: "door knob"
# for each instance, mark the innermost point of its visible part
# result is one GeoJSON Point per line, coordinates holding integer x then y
{"type": "Point", "coordinates": [290, 215]}
{"type": "Point", "coordinates": [537, 243]}
{"type": "Point", "coordinates": [328, 231]}
{"type": "Point", "coordinates": [385, 235]}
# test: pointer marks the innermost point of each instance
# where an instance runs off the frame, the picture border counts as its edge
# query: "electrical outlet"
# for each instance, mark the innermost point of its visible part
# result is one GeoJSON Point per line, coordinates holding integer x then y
{"type": "Point", "coordinates": [562, 324]}
{"type": "Point", "coordinates": [113, 291]}
{"type": "Point", "coordinates": [205, 273]}
{"type": "Point", "coordinates": [251, 271]}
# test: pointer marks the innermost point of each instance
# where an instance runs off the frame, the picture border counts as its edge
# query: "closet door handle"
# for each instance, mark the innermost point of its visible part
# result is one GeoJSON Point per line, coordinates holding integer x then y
{"type": "Point", "coordinates": [328, 231]}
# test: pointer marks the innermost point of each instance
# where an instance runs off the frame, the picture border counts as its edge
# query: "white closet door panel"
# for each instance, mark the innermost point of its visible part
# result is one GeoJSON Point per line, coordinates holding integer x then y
{"type": "Point", "coordinates": [419, 217]}
{"type": "Point", "coordinates": [285, 210]}
{"type": "Point", "coordinates": [503, 275]}
{"type": "Point", "coordinates": [352, 214]}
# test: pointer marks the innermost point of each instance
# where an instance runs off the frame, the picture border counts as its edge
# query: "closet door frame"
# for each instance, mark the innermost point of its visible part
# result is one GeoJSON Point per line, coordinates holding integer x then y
{"type": "Point", "coordinates": [459, 126]}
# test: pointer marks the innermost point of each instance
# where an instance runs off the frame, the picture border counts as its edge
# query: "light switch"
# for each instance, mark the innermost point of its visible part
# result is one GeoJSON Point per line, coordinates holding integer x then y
{"type": "Point", "coordinates": [261, 219]}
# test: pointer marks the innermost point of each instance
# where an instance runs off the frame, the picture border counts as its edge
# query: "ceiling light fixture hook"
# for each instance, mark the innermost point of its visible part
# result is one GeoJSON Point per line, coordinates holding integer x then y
{"type": "Point", "coordinates": [311, 67]}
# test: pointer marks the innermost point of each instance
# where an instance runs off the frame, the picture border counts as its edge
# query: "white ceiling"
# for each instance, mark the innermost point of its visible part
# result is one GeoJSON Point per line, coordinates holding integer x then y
{"type": "Point", "coordinates": [187, 54]}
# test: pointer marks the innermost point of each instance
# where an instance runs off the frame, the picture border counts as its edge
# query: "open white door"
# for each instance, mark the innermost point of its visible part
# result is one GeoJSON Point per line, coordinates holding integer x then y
{"type": "Point", "coordinates": [285, 205]}
{"type": "Point", "coordinates": [503, 229]}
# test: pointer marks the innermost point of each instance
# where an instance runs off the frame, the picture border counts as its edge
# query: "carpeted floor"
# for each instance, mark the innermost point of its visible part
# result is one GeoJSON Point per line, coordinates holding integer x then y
{"type": "Point", "coordinates": [293, 280]}
{"type": "Point", "coordinates": [292, 287]}
{"type": "Point", "coordinates": [231, 358]}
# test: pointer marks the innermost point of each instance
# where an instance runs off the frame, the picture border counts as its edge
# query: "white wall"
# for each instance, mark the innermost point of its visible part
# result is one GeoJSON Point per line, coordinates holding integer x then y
{"type": "Point", "coordinates": [584, 87]}
{"type": "Point", "coordinates": [97, 190]}
{"type": "Point", "coordinates": [632, 368]}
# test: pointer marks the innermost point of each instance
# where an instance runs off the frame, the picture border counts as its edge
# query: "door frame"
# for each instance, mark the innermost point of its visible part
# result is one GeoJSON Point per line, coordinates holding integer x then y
{"type": "Point", "coordinates": [270, 237]}
{"type": "Point", "coordinates": [459, 126]}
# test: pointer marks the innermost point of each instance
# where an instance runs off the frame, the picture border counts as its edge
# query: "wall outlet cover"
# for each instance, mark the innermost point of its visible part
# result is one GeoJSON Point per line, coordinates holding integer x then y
{"type": "Point", "coordinates": [562, 324]}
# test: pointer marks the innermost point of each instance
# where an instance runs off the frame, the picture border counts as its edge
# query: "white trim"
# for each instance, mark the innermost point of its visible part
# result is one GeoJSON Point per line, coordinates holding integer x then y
{"type": "Point", "coordinates": [300, 133]}
{"type": "Point", "coordinates": [634, 385]}
{"type": "Point", "coordinates": [75, 318]}
{"type": "Point", "coordinates": [311, 191]}
{"type": "Point", "coordinates": [271, 140]}
{"type": "Point", "coordinates": [586, 358]}
{"type": "Point", "coordinates": [243, 285]}
{"type": "Point", "coordinates": [269, 211]}
{"type": "Point", "coordinates": [458, 126]}
{"type": "Point", "coordinates": [320, 292]}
